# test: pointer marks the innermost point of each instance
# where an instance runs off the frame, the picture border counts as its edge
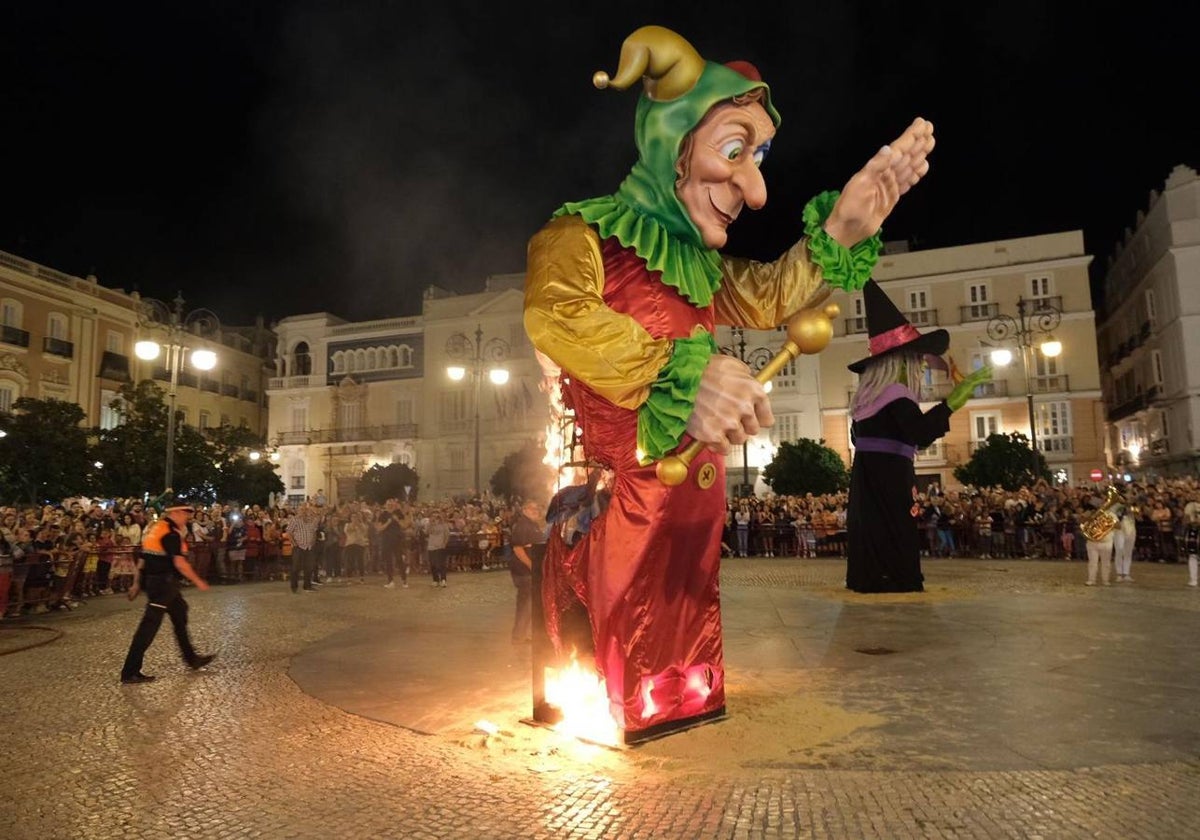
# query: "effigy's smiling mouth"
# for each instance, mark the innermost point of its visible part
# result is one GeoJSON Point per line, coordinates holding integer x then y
{"type": "Point", "coordinates": [728, 218]}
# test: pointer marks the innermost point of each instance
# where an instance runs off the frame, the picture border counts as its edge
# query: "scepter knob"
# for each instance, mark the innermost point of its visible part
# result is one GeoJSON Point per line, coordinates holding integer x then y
{"type": "Point", "coordinates": [811, 329]}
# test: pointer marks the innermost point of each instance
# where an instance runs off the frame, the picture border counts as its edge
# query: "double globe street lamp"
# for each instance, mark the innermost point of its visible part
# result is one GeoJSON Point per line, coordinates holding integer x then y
{"type": "Point", "coordinates": [1034, 318]}
{"type": "Point", "coordinates": [200, 324]}
{"type": "Point", "coordinates": [473, 358]}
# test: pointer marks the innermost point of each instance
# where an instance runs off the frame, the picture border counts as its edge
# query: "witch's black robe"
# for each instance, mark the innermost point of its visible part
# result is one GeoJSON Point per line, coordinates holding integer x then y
{"type": "Point", "coordinates": [883, 546]}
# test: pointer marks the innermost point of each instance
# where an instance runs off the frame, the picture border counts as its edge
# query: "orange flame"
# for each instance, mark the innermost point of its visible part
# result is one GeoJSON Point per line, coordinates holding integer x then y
{"type": "Point", "coordinates": [580, 694]}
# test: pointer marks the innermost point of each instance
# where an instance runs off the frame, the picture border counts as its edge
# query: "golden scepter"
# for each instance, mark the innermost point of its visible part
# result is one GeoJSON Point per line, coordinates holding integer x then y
{"type": "Point", "coordinates": [808, 332]}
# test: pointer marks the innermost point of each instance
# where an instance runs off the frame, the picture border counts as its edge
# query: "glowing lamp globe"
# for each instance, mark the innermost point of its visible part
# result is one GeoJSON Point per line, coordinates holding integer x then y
{"type": "Point", "coordinates": [204, 359]}
{"type": "Point", "coordinates": [147, 350]}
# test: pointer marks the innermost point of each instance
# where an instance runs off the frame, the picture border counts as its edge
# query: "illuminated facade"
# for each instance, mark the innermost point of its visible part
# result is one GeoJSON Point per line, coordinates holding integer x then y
{"type": "Point", "coordinates": [69, 338]}
{"type": "Point", "coordinates": [348, 396]}
{"type": "Point", "coordinates": [962, 289]}
{"type": "Point", "coordinates": [1148, 336]}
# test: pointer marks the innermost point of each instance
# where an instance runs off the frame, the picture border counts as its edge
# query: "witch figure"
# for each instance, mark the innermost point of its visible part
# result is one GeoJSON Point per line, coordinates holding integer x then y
{"type": "Point", "coordinates": [887, 428]}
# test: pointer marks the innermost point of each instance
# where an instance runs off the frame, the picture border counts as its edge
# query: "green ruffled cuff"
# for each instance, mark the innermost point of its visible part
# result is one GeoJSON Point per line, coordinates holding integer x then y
{"type": "Point", "coordinates": [662, 418]}
{"type": "Point", "coordinates": [844, 268]}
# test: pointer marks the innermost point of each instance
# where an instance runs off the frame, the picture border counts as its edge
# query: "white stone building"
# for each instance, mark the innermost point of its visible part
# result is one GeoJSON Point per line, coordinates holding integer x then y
{"type": "Point", "coordinates": [1149, 337]}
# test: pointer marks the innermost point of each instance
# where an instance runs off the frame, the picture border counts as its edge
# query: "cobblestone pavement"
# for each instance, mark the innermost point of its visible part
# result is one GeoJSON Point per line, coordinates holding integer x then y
{"type": "Point", "coordinates": [240, 750]}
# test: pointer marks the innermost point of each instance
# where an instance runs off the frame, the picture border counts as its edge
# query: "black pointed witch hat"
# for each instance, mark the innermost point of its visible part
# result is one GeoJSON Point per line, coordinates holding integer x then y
{"type": "Point", "coordinates": [889, 331]}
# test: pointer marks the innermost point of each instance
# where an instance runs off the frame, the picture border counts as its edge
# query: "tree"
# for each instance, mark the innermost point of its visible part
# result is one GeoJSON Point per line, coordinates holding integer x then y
{"type": "Point", "coordinates": [205, 468]}
{"type": "Point", "coordinates": [391, 481]}
{"type": "Point", "coordinates": [44, 454]}
{"type": "Point", "coordinates": [1004, 459]}
{"type": "Point", "coordinates": [238, 477]}
{"type": "Point", "coordinates": [806, 466]}
{"type": "Point", "coordinates": [133, 452]}
{"type": "Point", "coordinates": [524, 474]}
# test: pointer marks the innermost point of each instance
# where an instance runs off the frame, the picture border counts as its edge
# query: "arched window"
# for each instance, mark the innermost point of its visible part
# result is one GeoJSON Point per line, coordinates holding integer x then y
{"type": "Point", "coordinates": [11, 313]}
{"type": "Point", "coordinates": [295, 471]}
{"type": "Point", "coordinates": [303, 360]}
{"type": "Point", "coordinates": [339, 361]}
{"type": "Point", "coordinates": [360, 359]}
{"type": "Point", "coordinates": [406, 355]}
{"type": "Point", "coordinates": [393, 358]}
{"type": "Point", "coordinates": [56, 326]}
{"type": "Point", "coordinates": [372, 359]}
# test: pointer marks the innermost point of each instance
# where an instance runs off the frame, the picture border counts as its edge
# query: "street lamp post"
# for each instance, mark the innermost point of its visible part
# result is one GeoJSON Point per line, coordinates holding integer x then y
{"type": "Point", "coordinates": [1042, 318]}
{"type": "Point", "coordinates": [756, 359]}
{"type": "Point", "coordinates": [478, 354]}
{"type": "Point", "coordinates": [202, 323]}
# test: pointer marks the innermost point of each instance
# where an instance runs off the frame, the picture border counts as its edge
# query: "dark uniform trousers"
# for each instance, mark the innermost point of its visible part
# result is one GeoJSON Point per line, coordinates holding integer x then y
{"type": "Point", "coordinates": [162, 590]}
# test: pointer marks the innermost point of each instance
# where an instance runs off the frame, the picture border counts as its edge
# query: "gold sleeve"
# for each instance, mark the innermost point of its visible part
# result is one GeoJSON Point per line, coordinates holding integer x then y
{"type": "Point", "coordinates": [566, 317]}
{"type": "Point", "coordinates": [762, 296]}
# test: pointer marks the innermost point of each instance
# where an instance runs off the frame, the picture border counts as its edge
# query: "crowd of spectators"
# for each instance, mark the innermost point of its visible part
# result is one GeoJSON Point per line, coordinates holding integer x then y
{"type": "Point", "coordinates": [1039, 521]}
{"type": "Point", "coordinates": [62, 555]}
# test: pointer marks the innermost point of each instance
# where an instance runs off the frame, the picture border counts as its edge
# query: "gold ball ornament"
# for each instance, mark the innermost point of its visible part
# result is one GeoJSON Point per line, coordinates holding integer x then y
{"type": "Point", "coordinates": [812, 329]}
{"type": "Point", "coordinates": [671, 471]}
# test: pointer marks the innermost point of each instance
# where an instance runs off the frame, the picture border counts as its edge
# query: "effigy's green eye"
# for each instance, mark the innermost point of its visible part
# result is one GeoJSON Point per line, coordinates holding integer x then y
{"type": "Point", "coordinates": [732, 150]}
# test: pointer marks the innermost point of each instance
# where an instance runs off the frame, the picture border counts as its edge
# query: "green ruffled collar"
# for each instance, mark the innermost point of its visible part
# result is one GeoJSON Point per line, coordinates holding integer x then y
{"type": "Point", "coordinates": [694, 271]}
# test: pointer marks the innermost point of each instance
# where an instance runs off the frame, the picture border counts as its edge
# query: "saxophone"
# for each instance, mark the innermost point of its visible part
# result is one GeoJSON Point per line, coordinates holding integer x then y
{"type": "Point", "coordinates": [1098, 525]}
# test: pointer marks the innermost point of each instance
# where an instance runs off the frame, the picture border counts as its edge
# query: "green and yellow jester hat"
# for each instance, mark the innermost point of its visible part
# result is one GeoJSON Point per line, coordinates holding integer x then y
{"type": "Point", "coordinates": [679, 88]}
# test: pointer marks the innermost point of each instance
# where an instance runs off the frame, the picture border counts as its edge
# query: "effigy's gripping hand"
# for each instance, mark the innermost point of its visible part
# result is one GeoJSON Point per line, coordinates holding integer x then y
{"type": "Point", "coordinates": [872, 193]}
{"type": "Point", "coordinates": [965, 389]}
{"type": "Point", "coordinates": [731, 405]}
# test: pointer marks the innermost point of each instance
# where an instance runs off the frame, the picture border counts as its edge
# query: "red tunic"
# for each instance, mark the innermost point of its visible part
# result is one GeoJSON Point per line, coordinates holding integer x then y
{"type": "Point", "coordinates": [648, 572]}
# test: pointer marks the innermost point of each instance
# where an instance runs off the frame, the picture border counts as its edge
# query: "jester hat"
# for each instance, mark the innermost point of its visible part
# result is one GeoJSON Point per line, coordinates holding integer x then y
{"type": "Point", "coordinates": [679, 88]}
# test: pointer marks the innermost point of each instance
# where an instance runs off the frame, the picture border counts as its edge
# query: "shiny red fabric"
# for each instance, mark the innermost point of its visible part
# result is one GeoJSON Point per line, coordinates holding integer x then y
{"type": "Point", "coordinates": [648, 571]}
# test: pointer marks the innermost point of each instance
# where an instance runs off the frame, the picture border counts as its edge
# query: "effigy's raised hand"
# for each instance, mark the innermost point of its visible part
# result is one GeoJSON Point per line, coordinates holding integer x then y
{"type": "Point", "coordinates": [731, 405]}
{"type": "Point", "coordinates": [872, 193]}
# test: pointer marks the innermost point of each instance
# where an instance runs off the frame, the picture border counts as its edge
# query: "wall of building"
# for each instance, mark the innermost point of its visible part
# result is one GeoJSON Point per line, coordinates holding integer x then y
{"type": "Point", "coordinates": [1148, 334]}
{"type": "Point", "coordinates": [964, 290]}
{"type": "Point", "coordinates": [72, 339]}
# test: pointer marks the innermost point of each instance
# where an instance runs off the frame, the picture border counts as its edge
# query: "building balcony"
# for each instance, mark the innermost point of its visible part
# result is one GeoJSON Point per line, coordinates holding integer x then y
{"type": "Point", "coordinates": [14, 336]}
{"type": "Point", "coordinates": [935, 453]}
{"type": "Point", "coordinates": [114, 366]}
{"type": "Point", "coordinates": [995, 388]}
{"type": "Point", "coordinates": [978, 312]}
{"type": "Point", "coordinates": [229, 390]}
{"type": "Point", "coordinates": [1052, 446]}
{"type": "Point", "coordinates": [1052, 384]}
{"type": "Point", "coordinates": [1051, 302]}
{"type": "Point", "coordinates": [58, 347]}
{"type": "Point", "coordinates": [210, 385]}
{"type": "Point", "coordinates": [280, 383]}
{"type": "Point", "coordinates": [936, 392]}
{"type": "Point", "coordinates": [1127, 408]}
{"type": "Point", "coordinates": [922, 317]}
{"type": "Point", "coordinates": [248, 395]}
{"type": "Point", "coordinates": [355, 434]}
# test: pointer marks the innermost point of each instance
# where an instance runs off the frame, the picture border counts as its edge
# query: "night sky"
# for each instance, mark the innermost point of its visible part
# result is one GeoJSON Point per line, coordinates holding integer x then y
{"type": "Point", "coordinates": [275, 158]}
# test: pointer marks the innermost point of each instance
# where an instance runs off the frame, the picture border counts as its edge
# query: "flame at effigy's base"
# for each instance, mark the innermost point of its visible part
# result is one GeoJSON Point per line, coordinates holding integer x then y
{"type": "Point", "coordinates": [579, 693]}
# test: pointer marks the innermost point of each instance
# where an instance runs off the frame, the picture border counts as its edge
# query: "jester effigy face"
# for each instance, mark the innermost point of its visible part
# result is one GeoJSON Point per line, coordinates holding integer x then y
{"type": "Point", "coordinates": [719, 168]}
